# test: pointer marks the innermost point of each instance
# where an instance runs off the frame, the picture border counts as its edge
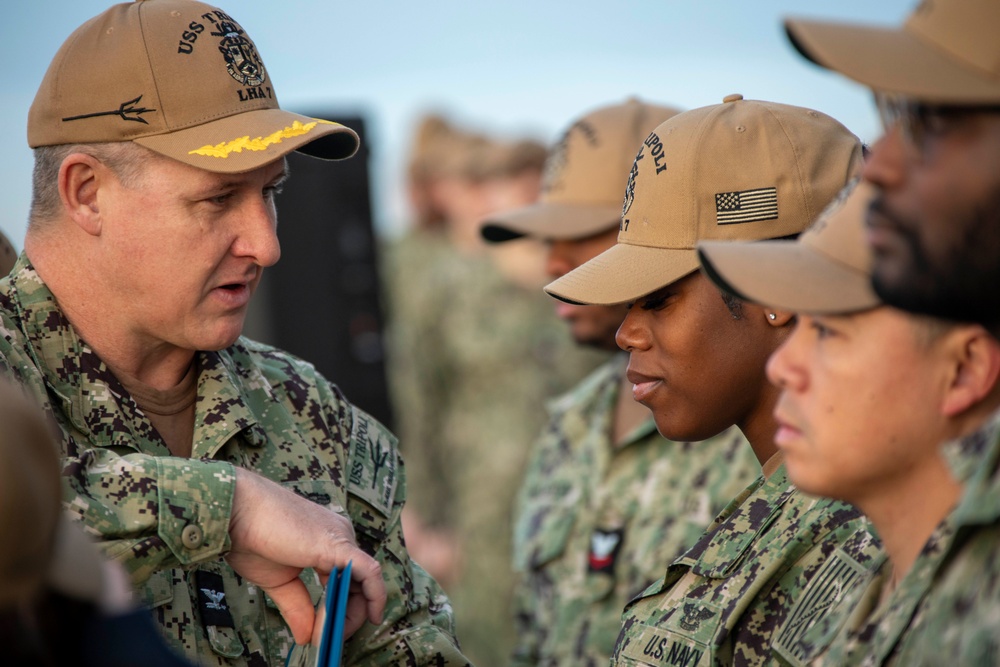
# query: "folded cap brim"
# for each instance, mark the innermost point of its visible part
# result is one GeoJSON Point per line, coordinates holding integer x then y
{"type": "Point", "coordinates": [623, 273]}
{"type": "Point", "coordinates": [786, 275]}
{"type": "Point", "coordinates": [246, 141]}
{"type": "Point", "coordinates": [891, 60]}
{"type": "Point", "coordinates": [551, 221]}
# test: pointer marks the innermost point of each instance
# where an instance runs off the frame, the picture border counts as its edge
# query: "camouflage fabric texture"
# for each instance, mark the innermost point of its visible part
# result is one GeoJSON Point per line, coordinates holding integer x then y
{"type": "Point", "coordinates": [473, 358]}
{"type": "Point", "coordinates": [742, 589]}
{"type": "Point", "coordinates": [166, 519]}
{"type": "Point", "coordinates": [946, 610]}
{"type": "Point", "coordinates": [596, 523]}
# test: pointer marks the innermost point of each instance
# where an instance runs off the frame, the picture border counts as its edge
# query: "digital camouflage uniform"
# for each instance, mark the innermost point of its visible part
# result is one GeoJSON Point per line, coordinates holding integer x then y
{"type": "Point", "coordinates": [474, 358]}
{"type": "Point", "coordinates": [596, 523]}
{"type": "Point", "coordinates": [743, 586]}
{"type": "Point", "coordinates": [946, 610]}
{"type": "Point", "coordinates": [167, 518]}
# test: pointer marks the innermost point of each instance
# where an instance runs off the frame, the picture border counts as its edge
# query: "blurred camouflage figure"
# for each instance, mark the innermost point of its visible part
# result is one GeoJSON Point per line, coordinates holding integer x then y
{"type": "Point", "coordinates": [60, 602]}
{"type": "Point", "coordinates": [8, 255]}
{"type": "Point", "coordinates": [934, 228]}
{"type": "Point", "coordinates": [474, 352]}
{"type": "Point", "coordinates": [744, 170]}
{"type": "Point", "coordinates": [606, 500]}
{"type": "Point", "coordinates": [223, 474]}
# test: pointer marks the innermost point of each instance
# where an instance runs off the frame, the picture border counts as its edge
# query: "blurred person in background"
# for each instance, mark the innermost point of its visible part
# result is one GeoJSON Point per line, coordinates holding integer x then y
{"type": "Point", "coordinates": [61, 602]}
{"type": "Point", "coordinates": [606, 500]}
{"type": "Point", "coordinates": [473, 353]}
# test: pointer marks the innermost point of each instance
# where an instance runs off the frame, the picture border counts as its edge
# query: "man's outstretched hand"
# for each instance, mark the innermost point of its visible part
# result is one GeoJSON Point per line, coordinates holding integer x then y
{"type": "Point", "coordinates": [276, 534]}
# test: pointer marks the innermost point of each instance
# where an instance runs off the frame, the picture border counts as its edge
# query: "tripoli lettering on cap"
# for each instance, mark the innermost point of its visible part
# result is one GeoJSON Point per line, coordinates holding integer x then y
{"type": "Point", "coordinates": [656, 150]}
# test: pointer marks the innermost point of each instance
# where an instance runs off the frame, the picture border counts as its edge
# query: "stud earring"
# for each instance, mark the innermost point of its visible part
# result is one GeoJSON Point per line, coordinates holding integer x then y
{"type": "Point", "coordinates": [772, 316]}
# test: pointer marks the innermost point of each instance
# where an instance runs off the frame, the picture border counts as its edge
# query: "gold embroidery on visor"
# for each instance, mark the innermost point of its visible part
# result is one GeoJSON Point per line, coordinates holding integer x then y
{"type": "Point", "coordinates": [260, 143]}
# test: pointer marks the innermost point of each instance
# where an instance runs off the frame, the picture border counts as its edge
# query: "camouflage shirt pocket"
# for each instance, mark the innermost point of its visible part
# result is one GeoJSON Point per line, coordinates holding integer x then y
{"type": "Point", "coordinates": [542, 534]}
{"type": "Point", "coordinates": [329, 494]}
{"type": "Point", "coordinates": [325, 492]}
{"type": "Point", "coordinates": [157, 590]}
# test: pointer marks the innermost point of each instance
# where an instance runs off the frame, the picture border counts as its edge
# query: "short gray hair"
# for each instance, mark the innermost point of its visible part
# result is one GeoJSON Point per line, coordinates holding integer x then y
{"type": "Point", "coordinates": [123, 158]}
{"type": "Point", "coordinates": [928, 329]}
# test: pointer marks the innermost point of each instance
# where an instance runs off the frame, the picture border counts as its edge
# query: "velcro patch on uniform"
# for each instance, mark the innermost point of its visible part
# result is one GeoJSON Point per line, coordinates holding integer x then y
{"type": "Point", "coordinates": [821, 598]}
{"type": "Point", "coordinates": [372, 466]}
{"type": "Point", "coordinates": [212, 600]}
{"type": "Point", "coordinates": [605, 546]}
{"type": "Point", "coordinates": [659, 647]}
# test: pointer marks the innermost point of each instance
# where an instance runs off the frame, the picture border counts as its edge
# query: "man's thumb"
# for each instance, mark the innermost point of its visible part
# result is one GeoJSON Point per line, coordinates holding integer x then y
{"type": "Point", "coordinates": [295, 605]}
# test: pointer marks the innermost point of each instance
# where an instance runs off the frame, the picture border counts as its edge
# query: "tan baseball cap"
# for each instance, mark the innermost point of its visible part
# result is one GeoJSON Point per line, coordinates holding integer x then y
{"type": "Point", "coordinates": [827, 270]}
{"type": "Point", "coordinates": [740, 170]}
{"type": "Point", "coordinates": [39, 546]}
{"type": "Point", "coordinates": [8, 256]}
{"type": "Point", "coordinates": [181, 78]}
{"type": "Point", "coordinates": [947, 51]}
{"type": "Point", "coordinates": [584, 175]}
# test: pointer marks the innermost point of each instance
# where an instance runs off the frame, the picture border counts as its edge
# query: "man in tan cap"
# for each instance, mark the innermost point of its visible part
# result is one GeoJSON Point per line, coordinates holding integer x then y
{"type": "Point", "coordinates": [737, 170]}
{"type": "Point", "coordinates": [606, 499]}
{"type": "Point", "coordinates": [225, 475]}
{"type": "Point", "coordinates": [934, 228]}
{"type": "Point", "coordinates": [869, 393]}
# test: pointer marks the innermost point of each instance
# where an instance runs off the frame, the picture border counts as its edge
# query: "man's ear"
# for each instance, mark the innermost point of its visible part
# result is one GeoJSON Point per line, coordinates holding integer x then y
{"type": "Point", "coordinates": [975, 356]}
{"type": "Point", "coordinates": [80, 177]}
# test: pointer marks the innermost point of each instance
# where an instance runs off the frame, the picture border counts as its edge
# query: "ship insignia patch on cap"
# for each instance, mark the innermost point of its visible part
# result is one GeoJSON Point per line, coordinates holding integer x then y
{"type": "Point", "coordinates": [555, 164]}
{"type": "Point", "coordinates": [242, 60]}
{"type": "Point", "coordinates": [835, 205]}
{"type": "Point", "coordinates": [746, 206]}
{"type": "Point", "coordinates": [629, 192]}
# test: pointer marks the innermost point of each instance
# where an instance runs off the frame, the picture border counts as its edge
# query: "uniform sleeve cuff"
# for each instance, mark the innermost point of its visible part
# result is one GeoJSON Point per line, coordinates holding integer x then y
{"type": "Point", "coordinates": [196, 501]}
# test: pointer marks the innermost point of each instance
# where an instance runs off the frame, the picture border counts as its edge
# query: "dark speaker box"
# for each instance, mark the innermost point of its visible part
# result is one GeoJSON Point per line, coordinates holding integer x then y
{"type": "Point", "coordinates": [321, 301]}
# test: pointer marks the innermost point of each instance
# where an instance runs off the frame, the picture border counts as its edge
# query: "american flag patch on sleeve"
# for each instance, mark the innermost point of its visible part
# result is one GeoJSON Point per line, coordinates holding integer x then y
{"type": "Point", "coordinates": [746, 206]}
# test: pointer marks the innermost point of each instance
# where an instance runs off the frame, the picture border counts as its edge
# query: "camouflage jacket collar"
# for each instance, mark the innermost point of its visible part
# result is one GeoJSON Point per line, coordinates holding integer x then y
{"type": "Point", "coordinates": [975, 460]}
{"type": "Point", "coordinates": [95, 402]}
{"type": "Point", "coordinates": [719, 552]}
{"type": "Point", "coordinates": [890, 622]}
{"type": "Point", "coordinates": [597, 395]}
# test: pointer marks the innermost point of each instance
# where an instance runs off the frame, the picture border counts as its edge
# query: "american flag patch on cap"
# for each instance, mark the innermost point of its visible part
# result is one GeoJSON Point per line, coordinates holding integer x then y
{"type": "Point", "coordinates": [746, 206]}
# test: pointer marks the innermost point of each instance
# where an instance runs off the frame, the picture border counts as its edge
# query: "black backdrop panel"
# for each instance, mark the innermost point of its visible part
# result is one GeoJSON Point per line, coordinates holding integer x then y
{"type": "Point", "coordinates": [321, 301]}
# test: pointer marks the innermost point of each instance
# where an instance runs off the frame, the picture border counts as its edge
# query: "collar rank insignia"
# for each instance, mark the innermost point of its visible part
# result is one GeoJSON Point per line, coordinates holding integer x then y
{"type": "Point", "coordinates": [212, 600]}
{"type": "Point", "coordinates": [694, 614]}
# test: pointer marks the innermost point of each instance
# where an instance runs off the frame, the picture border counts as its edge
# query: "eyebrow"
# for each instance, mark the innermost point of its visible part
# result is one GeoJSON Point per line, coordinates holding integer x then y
{"type": "Point", "coordinates": [234, 181]}
{"type": "Point", "coordinates": [279, 180]}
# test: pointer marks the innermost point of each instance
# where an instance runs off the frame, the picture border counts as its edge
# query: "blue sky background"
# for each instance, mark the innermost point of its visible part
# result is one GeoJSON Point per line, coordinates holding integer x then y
{"type": "Point", "coordinates": [510, 67]}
